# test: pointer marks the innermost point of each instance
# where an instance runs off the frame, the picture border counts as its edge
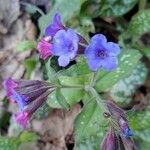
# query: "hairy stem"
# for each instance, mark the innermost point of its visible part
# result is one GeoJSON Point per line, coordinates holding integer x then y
{"type": "Point", "coordinates": [99, 101]}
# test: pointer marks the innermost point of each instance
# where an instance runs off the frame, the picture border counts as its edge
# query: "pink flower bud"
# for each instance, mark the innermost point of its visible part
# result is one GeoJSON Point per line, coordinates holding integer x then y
{"type": "Point", "coordinates": [110, 141]}
{"type": "Point", "coordinates": [44, 49]}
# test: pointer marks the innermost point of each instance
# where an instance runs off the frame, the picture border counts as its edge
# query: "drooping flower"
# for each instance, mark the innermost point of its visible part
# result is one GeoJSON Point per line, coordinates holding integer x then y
{"type": "Point", "coordinates": [125, 128]}
{"type": "Point", "coordinates": [53, 28]}
{"type": "Point", "coordinates": [44, 47]}
{"type": "Point", "coordinates": [110, 141]}
{"type": "Point", "coordinates": [65, 46]}
{"type": "Point", "coordinates": [102, 54]}
{"type": "Point", "coordinates": [29, 95]}
{"type": "Point", "coordinates": [9, 86]}
{"type": "Point", "coordinates": [119, 117]}
{"type": "Point", "coordinates": [128, 143]}
{"type": "Point", "coordinates": [22, 118]}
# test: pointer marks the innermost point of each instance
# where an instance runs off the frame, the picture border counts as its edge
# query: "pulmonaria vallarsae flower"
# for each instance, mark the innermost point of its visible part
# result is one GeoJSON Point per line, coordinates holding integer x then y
{"type": "Point", "coordinates": [65, 46]}
{"type": "Point", "coordinates": [119, 117]}
{"type": "Point", "coordinates": [125, 128]}
{"type": "Point", "coordinates": [53, 28]}
{"type": "Point", "coordinates": [113, 140]}
{"type": "Point", "coordinates": [110, 141]}
{"type": "Point", "coordinates": [29, 95]}
{"type": "Point", "coordinates": [45, 48]}
{"type": "Point", "coordinates": [102, 54]}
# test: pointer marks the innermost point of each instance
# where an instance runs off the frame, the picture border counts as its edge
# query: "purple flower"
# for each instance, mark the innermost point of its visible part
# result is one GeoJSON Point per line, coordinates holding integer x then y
{"type": "Point", "coordinates": [110, 141]}
{"type": "Point", "coordinates": [22, 118]}
{"type": "Point", "coordinates": [119, 116]}
{"type": "Point", "coordinates": [125, 128]}
{"type": "Point", "coordinates": [128, 143]}
{"type": "Point", "coordinates": [44, 48]}
{"type": "Point", "coordinates": [29, 95]}
{"type": "Point", "coordinates": [102, 54]}
{"type": "Point", "coordinates": [65, 46]}
{"type": "Point", "coordinates": [53, 28]}
{"type": "Point", "coordinates": [9, 86]}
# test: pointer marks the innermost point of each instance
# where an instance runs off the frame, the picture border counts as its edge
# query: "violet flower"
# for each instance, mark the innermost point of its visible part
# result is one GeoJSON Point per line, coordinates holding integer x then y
{"type": "Point", "coordinates": [119, 117]}
{"type": "Point", "coordinates": [110, 141]}
{"type": "Point", "coordinates": [102, 54]}
{"type": "Point", "coordinates": [29, 95]}
{"type": "Point", "coordinates": [125, 128]}
{"type": "Point", "coordinates": [53, 28]}
{"type": "Point", "coordinates": [44, 48]}
{"type": "Point", "coordinates": [65, 46]}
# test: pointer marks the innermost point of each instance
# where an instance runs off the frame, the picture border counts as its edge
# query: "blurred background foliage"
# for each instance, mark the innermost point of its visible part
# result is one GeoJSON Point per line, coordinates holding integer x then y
{"type": "Point", "coordinates": [22, 24]}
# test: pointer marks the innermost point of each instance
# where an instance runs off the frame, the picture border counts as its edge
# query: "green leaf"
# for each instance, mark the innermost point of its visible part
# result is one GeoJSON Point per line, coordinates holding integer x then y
{"type": "Point", "coordinates": [50, 71]}
{"type": "Point", "coordinates": [140, 23]}
{"type": "Point", "coordinates": [140, 124]}
{"type": "Point", "coordinates": [30, 65]}
{"type": "Point", "coordinates": [123, 90]}
{"type": "Point", "coordinates": [30, 8]}
{"type": "Point", "coordinates": [76, 81]}
{"type": "Point", "coordinates": [14, 143]}
{"type": "Point", "coordinates": [9, 143]}
{"type": "Point", "coordinates": [139, 120]}
{"type": "Point", "coordinates": [115, 7]}
{"type": "Point", "coordinates": [145, 50]}
{"type": "Point", "coordinates": [144, 145]}
{"type": "Point", "coordinates": [52, 100]}
{"type": "Point", "coordinates": [28, 136]}
{"type": "Point", "coordinates": [42, 112]}
{"type": "Point", "coordinates": [90, 125]}
{"type": "Point", "coordinates": [71, 95]}
{"type": "Point", "coordinates": [128, 59]}
{"type": "Point", "coordinates": [80, 68]}
{"type": "Point", "coordinates": [26, 45]}
{"type": "Point", "coordinates": [66, 8]}
{"type": "Point", "coordinates": [61, 99]}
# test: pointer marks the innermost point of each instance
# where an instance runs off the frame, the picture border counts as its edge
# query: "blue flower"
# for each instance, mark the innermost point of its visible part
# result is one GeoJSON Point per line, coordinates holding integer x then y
{"type": "Point", "coordinates": [65, 46]}
{"type": "Point", "coordinates": [102, 54]}
{"type": "Point", "coordinates": [53, 28]}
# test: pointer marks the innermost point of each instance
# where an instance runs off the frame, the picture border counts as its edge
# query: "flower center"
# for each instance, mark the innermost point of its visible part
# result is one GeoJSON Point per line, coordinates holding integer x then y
{"type": "Point", "coordinates": [70, 47]}
{"type": "Point", "coordinates": [102, 54]}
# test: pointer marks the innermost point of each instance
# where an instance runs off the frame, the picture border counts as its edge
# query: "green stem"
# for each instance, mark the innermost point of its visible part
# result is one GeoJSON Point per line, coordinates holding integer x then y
{"type": "Point", "coordinates": [71, 86]}
{"type": "Point", "coordinates": [97, 97]}
{"type": "Point", "coordinates": [93, 81]}
{"type": "Point", "coordinates": [142, 4]}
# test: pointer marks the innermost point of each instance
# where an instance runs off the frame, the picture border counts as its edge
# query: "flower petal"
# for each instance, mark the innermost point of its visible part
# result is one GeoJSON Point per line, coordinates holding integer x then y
{"type": "Point", "coordinates": [21, 100]}
{"type": "Point", "coordinates": [109, 63]}
{"type": "Point", "coordinates": [9, 86]}
{"type": "Point", "coordinates": [44, 49]}
{"type": "Point", "coordinates": [63, 61]}
{"type": "Point", "coordinates": [22, 118]}
{"type": "Point", "coordinates": [94, 65]}
{"type": "Point", "coordinates": [53, 28]}
{"type": "Point", "coordinates": [99, 40]}
{"type": "Point", "coordinates": [113, 48]}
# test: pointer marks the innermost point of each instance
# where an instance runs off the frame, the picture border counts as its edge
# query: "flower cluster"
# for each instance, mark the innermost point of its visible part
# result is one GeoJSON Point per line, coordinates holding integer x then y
{"type": "Point", "coordinates": [29, 95]}
{"type": "Point", "coordinates": [118, 122]}
{"type": "Point", "coordinates": [66, 44]}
